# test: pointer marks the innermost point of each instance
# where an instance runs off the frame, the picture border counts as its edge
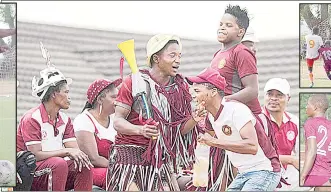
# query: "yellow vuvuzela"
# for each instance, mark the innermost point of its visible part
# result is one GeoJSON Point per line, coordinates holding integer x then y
{"type": "Point", "coordinates": [127, 49]}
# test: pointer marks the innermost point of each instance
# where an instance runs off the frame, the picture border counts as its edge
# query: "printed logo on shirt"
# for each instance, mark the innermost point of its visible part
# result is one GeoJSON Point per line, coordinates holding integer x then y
{"type": "Point", "coordinates": [44, 134]}
{"type": "Point", "coordinates": [227, 130]}
{"type": "Point", "coordinates": [221, 64]}
{"type": "Point", "coordinates": [290, 135]}
{"type": "Point", "coordinates": [311, 43]}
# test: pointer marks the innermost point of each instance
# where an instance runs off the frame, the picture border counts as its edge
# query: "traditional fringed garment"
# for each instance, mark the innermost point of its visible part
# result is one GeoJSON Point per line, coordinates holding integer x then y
{"type": "Point", "coordinates": [219, 166]}
{"type": "Point", "coordinates": [151, 164]}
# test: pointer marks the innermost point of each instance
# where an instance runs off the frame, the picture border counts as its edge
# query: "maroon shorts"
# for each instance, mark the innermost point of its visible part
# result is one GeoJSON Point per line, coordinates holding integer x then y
{"type": "Point", "coordinates": [316, 180]}
{"type": "Point", "coordinates": [99, 177]}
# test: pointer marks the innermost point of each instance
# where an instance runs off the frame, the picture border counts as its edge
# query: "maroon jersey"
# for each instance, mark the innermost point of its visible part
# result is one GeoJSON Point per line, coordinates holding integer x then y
{"type": "Point", "coordinates": [125, 100]}
{"type": "Point", "coordinates": [234, 64]}
{"type": "Point", "coordinates": [320, 129]}
{"type": "Point", "coordinates": [326, 54]}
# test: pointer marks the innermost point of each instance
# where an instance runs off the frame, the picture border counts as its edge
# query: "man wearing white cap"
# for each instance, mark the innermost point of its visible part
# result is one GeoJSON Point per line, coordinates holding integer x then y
{"type": "Point", "coordinates": [249, 40]}
{"type": "Point", "coordinates": [156, 146]}
{"type": "Point", "coordinates": [285, 126]}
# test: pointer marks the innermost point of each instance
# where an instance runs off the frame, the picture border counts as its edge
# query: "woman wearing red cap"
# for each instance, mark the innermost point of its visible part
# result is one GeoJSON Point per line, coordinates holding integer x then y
{"type": "Point", "coordinates": [94, 126]}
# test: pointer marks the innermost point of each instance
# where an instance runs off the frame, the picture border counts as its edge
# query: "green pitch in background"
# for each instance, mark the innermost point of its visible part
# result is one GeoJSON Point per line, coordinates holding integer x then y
{"type": "Point", "coordinates": [320, 77]}
{"type": "Point", "coordinates": [8, 129]}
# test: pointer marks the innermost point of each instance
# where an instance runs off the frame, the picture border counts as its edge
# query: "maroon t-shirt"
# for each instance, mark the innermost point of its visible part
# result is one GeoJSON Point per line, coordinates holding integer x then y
{"type": "Point", "coordinates": [125, 99]}
{"type": "Point", "coordinates": [234, 64]}
{"type": "Point", "coordinates": [326, 54]}
{"type": "Point", "coordinates": [320, 129]}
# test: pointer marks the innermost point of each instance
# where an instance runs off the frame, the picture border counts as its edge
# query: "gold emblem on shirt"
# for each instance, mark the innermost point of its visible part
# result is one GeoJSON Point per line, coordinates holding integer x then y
{"type": "Point", "coordinates": [227, 130]}
{"type": "Point", "coordinates": [221, 64]}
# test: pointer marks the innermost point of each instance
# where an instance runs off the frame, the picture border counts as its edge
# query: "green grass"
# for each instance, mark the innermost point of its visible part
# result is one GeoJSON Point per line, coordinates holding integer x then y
{"type": "Point", "coordinates": [320, 78]}
{"type": "Point", "coordinates": [8, 129]}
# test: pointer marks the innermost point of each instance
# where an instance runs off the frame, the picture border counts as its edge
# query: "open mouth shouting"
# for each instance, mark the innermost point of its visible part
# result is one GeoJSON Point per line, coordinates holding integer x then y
{"type": "Point", "coordinates": [175, 68]}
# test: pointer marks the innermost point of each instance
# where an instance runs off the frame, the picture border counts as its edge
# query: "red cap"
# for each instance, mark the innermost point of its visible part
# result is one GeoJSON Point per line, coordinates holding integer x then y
{"type": "Point", "coordinates": [97, 86]}
{"type": "Point", "coordinates": [209, 75]}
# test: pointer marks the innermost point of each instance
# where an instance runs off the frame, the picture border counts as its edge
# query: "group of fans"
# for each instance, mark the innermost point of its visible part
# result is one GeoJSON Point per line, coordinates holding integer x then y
{"type": "Point", "coordinates": [314, 48]}
{"type": "Point", "coordinates": [115, 145]}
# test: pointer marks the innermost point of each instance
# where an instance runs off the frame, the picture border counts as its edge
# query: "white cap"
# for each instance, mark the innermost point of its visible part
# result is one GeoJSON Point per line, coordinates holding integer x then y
{"type": "Point", "coordinates": [157, 42]}
{"type": "Point", "coordinates": [50, 76]}
{"type": "Point", "coordinates": [250, 36]}
{"type": "Point", "coordinates": [278, 84]}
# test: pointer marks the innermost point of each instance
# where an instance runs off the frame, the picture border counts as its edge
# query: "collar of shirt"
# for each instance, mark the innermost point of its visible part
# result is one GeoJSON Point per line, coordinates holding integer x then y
{"type": "Point", "coordinates": [45, 117]}
{"type": "Point", "coordinates": [220, 109]}
{"type": "Point", "coordinates": [286, 117]}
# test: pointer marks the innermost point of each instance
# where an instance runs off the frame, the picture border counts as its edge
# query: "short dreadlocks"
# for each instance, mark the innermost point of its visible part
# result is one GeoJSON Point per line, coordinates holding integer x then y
{"type": "Point", "coordinates": [240, 14]}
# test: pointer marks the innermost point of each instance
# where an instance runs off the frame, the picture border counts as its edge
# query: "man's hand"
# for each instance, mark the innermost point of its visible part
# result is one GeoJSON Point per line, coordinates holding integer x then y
{"type": "Point", "coordinates": [200, 112]}
{"type": "Point", "coordinates": [80, 158]}
{"type": "Point", "coordinates": [205, 139]}
{"type": "Point", "coordinates": [149, 131]}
